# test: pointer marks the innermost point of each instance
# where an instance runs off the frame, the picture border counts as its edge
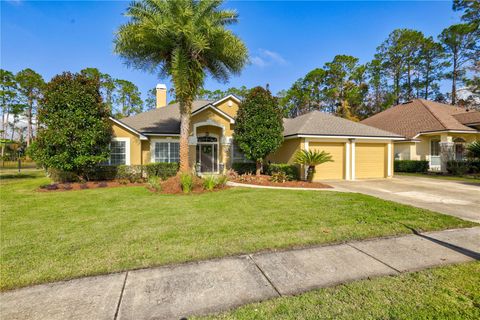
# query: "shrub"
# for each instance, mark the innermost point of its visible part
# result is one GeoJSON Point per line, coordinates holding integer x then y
{"type": "Point", "coordinates": [186, 182]}
{"type": "Point", "coordinates": [460, 168]}
{"type": "Point", "coordinates": [101, 173]}
{"type": "Point", "coordinates": [75, 132]}
{"type": "Point", "coordinates": [62, 176]}
{"type": "Point", "coordinates": [244, 167]}
{"type": "Point", "coordinates": [163, 170]}
{"type": "Point", "coordinates": [291, 171]}
{"type": "Point", "coordinates": [411, 166]}
{"type": "Point", "coordinates": [131, 173]}
{"type": "Point", "coordinates": [222, 181]}
{"type": "Point", "coordinates": [279, 177]}
{"type": "Point", "coordinates": [209, 182]}
{"type": "Point", "coordinates": [154, 183]}
{"type": "Point", "coordinates": [474, 150]}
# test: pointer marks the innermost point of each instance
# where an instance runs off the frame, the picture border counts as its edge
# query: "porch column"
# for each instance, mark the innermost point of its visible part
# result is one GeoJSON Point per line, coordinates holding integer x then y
{"type": "Point", "coordinates": [347, 160]}
{"type": "Point", "coordinates": [447, 151]}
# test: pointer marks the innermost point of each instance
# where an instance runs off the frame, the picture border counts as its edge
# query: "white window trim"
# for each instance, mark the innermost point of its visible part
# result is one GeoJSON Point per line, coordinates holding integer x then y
{"type": "Point", "coordinates": [152, 147]}
{"type": "Point", "coordinates": [127, 150]}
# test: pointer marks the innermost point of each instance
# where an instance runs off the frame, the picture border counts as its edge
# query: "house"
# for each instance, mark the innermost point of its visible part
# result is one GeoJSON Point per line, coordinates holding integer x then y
{"type": "Point", "coordinates": [434, 132]}
{"type": "Point", "coordinates": [358, 150]}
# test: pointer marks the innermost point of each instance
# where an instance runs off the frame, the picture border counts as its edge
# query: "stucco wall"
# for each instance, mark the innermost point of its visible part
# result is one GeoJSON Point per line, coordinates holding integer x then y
{"type": "Point", "coordinates": [286, 152]}
{"type": "Point", "coordinates": [135, 143]}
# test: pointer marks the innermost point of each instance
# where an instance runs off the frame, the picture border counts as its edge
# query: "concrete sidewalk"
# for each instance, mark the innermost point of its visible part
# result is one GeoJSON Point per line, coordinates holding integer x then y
{"type": "Point", "coordinates": [173, 292]}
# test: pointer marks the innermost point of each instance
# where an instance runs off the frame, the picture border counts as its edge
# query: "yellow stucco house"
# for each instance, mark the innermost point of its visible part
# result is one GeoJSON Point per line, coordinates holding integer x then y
{"type": "Point", "coordinates": [434, 132]}
{"type": "Point", "coordinates": [358, 150]}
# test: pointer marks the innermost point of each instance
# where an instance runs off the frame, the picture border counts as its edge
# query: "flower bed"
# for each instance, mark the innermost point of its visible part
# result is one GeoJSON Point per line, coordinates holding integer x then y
{"type": "Point", "coordinates": [264, 180]}
{"type": "Point", "coordinates": [54, 187]}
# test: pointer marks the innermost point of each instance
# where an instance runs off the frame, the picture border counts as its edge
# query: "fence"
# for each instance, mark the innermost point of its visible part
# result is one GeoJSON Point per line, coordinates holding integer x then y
{"type": "Point", "coordinates": [24, 164]}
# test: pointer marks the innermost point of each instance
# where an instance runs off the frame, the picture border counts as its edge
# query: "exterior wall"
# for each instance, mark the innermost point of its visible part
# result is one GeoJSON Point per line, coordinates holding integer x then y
{"type": "Point", "coordinates": [402, 151]}
{"type": "Point", "coordinates": [230, 107]}
{"type": "Point", "coordinates": [421, 150]}
{"type": "Point", "coordinates": [286, 152]}
{"type": "Point", "coordinates": [135, 143]}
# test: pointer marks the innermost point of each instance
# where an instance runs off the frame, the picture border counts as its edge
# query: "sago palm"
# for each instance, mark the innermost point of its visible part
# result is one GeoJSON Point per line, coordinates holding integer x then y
{"type": "Point", "coordinates": [310, 159]}
{"type": "Point", "coordinates": [474, 150]}
{"type": "Point", "coordinates": [186, 40]}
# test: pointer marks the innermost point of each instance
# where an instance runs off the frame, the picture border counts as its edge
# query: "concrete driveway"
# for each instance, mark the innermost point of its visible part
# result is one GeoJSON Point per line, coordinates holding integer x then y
{"type": "Point", "coordinates": [460, 199]}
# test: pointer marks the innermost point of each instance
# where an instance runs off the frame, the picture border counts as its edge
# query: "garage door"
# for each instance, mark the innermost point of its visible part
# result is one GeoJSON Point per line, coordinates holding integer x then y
{"type": "Point", "coordinates": [330, 170]}
{"type": "Point", "coordinates": [370, 160]}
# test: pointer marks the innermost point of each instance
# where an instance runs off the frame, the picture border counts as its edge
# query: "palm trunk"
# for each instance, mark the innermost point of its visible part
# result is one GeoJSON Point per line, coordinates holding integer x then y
{"type": "Point", "coordinates": [185, 115]}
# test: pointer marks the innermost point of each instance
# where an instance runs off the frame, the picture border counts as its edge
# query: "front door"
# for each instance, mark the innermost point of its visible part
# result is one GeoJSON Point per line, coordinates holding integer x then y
{"type": "Point", "coordinates": [206, 158]}
{"type": "Point", "coordinates": [207, 154]}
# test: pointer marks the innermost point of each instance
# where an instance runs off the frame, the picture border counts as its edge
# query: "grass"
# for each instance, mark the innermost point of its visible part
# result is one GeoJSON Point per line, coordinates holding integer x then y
{"type": "Point", "coordinates": [439, 176]}
{"type": "Point", "coordinates": [49, 236]}
{"type": "Point", "coordinates": [442, 293]}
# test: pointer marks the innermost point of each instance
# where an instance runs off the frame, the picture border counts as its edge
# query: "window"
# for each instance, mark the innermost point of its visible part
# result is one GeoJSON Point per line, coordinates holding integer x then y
{"type": "Point", "coordinates": [166, 152]}
{"type": "Point", "coordinates": [118, 152]}
{"type": "Point", "coordinates": [238, 155]}
{"type": "Point", "coordinates": [435, 147]}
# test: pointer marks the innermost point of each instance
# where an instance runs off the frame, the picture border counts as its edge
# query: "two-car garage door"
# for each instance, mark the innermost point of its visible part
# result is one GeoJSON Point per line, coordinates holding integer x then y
{"type": "Point", "coordinates": [370, 160]}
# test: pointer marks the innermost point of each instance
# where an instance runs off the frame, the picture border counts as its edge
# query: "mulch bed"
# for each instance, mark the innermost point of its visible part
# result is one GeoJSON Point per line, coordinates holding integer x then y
{"type": "Point", "coordinates": [264, 180]}
{"type": "Point", "coordinates": [55, 187]}
{"type": "Point", "coordinates": [173, 186]}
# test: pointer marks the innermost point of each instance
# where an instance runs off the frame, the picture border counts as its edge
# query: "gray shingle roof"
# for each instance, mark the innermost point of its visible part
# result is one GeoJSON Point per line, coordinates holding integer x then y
{"type": "Point", "coordinates": [161, 120]}
{"type": "Point", "coordinates": [166, 120]}
{"type": "Point", "coordinates": [321, 123]}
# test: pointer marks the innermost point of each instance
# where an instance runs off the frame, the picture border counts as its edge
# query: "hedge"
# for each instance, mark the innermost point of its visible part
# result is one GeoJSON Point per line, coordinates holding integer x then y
{"type": "Point", "coordinates": [132, 173]}
{"type": "Point", "coordinates": [460, 168]}
{"type": "Point", "coordinates": [290, 170]}
{"type": "Point", "coordinates": [411, 166]}
{"type": "Point", "coordinates": [163, 170]}
{"type": "Point", "coordinates": [244, 167]}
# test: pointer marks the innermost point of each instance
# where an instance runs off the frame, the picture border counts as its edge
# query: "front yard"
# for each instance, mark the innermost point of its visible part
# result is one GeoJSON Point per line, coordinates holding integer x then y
{"type": "Point", "coordinates": [60, 235]}
{"type": "Point", "coordinates": [442, 293]}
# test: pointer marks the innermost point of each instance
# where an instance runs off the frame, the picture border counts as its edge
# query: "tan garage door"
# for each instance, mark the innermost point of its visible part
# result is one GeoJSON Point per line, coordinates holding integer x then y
{"type": "Point", "coordinates": [370, 160]}
{"type": "Point", "coordinates": [330, 170]}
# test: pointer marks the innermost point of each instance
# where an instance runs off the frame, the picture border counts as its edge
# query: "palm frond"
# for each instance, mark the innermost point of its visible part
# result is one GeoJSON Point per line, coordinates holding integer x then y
{"type": "Point", "coordinates": [312, 158]}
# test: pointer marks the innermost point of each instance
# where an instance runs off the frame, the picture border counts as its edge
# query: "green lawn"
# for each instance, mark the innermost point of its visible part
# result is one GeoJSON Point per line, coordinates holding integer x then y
{"type": "Point", "coordinates": [442, 177]}
{"type": "Point", "coordinates": [61, 235]}
{"type": "Point", "coordinates": [443, 293]}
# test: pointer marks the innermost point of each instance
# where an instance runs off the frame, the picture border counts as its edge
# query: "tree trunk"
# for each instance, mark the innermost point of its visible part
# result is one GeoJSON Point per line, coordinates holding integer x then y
{"type": "Point", "coordinates": [427, 84]}
{"type": "Point", "coordinates": [29, 126]}
{"type": "Point", "coordinates": [259, 167]}
{"type": "Point", "coordinates": [397, 89]}
{"type": "Point", "coordinates": [454, 79]}
{"type": "Point", "coordinates": [185, 115]}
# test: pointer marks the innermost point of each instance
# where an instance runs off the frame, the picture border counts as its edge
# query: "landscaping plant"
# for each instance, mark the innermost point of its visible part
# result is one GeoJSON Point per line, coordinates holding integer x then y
{"type": "Point", "coordinates": [258, 126]}
{"type": "Point", "coordinates": [209, 182]}
{"type": "Point", "coordinates": [310, 159]}
{"type": "Point", "coordinates": [473, 150]}
{"type": "Point", "coordinates": [186, 182]}
{"type": "Point", "coordinates": [154, 183]}
{"type": "Point", "coordinates": [76, 132]}
{"type": "Point", "coordinates": [186, 40]}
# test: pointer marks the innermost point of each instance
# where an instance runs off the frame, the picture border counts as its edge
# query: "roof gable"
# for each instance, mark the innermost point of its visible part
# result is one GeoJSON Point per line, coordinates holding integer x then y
{"type": "Point", "coordinates": [417, 116]}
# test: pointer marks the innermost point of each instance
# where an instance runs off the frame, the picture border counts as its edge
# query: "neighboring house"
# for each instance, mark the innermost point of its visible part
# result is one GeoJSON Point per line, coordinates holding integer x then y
{"type": "Point", "coordinates": [358, 150]}
{"type": "Point", "coordinates": [434, 131]}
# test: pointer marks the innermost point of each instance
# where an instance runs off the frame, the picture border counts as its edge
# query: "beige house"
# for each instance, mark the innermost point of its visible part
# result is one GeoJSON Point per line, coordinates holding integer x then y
{"type": "Point", "coordinates": [434, 131]}
{"type": "Point", "coordinates": [358, 150]}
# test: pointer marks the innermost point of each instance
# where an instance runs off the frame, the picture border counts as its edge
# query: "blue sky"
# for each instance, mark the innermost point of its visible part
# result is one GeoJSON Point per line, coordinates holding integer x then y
{"type": "Point", "coordinates": [285, 39]}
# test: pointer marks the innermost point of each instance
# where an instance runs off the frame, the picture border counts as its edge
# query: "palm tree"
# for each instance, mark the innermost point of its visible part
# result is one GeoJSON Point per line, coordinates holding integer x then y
{"type": "Point", "coordinates": [310, 159]}
{"type": "Point", "coordinates": [186, 40]}
{"type": "Point", "coordinates": [474, 150]}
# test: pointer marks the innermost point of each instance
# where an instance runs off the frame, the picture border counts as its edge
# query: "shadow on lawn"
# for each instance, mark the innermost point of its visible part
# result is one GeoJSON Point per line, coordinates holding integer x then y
{"type": "Point", "coordinates": [10, 176]}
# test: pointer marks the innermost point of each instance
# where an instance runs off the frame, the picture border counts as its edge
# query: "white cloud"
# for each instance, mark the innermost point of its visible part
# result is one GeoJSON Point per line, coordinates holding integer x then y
{"type": "Point", "coordinates": [266, 58]}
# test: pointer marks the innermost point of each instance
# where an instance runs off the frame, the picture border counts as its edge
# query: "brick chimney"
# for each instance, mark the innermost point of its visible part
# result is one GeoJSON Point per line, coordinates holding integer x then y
{"type": "Point", "coordinates": [161, 95]}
